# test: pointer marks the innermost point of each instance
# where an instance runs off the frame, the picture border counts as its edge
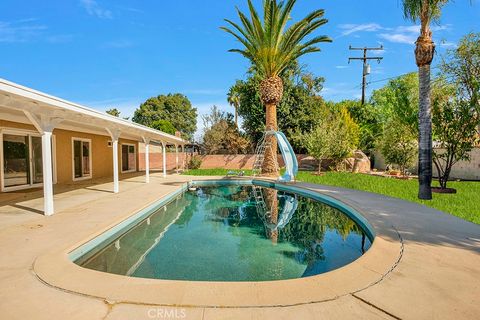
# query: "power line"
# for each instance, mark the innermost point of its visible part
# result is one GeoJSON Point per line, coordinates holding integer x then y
{"type": "Point", "coordinates": [366, 66]}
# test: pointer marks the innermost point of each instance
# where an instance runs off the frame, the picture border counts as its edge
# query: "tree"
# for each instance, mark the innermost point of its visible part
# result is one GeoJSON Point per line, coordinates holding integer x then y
{"type": "Point", "coordinates": [271, 48]}
{"type": "Point", "coordinates": [301, 106]}
{"type": "Point", "coordinates": [346, 133]}
{"type": "Point", "coordinates": [398, 99]}
{"type": "Point", "coordinates": [455, 125]}
{"type": "Point", "coordinates": [113, 112]}
{"type": "Point", "coordinates": [318, 142]}
{"type": "Point", "coordinates": [116, 113]}
{"type": "Point", "coordinates": [233, 98]}
{"type": "Point", "coordinates": [456, 113]}
{"type": "Point", "coordinates": [334, 138]}
{"type": "Point", "coordinates": [221, 134]}
{"type": "Point", "coordinates": [368, 118]}
{"type": "Point", "coordinates": [398, 144]}
{"type": "Point", "coordinates": [462, 66]}
{"type": "Point", "coordinates": [175, 108]}
{"type": "Point", "coordinates": [424, 11]}
{"type": "Point", "coordinates": [164, 126]}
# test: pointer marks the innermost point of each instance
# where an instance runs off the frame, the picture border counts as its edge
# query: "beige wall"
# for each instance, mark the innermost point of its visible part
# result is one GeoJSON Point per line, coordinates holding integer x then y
{"type": "Point", "coordinates": [464, 170]}
{"type": "Point", "coordinates": [102, 163]}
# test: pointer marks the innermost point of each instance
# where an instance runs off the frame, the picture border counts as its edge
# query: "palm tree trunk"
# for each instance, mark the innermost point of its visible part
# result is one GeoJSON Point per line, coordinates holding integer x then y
{"type": "Point", "coordinates": [236, 116]}
{"type": "Point", "coordinates": [271, 199]}
{"type": "Point", "coordinates": [425, 135]}
{"type": "Point", "coordinates": [270, 167]}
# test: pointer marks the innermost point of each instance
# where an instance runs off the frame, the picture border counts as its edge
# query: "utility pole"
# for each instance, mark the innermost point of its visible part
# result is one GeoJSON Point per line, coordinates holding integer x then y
{"type": "Point", "coordinates": [366, 66]}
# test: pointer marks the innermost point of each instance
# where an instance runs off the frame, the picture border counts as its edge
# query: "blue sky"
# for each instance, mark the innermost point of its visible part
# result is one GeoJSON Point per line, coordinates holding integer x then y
{"type": "Point", "coordinates": [106, 53]}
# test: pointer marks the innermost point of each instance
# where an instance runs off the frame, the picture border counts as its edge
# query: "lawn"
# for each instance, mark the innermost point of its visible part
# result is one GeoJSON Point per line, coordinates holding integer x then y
{"type": "Point", "coordinates": [464, 204]}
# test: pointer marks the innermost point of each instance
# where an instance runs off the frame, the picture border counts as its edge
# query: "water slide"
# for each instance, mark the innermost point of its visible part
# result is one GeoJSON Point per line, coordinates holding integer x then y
{"type": "Point", "coordinates": [291, 163]}
{"type": "Point", "coordinates": [289, 208]}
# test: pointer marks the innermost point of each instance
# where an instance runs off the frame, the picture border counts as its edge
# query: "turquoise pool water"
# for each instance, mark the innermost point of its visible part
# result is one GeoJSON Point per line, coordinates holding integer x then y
{"type": "Point", "coordinates": [233, 233]}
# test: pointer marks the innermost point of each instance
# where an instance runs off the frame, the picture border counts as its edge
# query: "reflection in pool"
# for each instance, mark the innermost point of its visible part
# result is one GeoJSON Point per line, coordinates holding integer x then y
{"type": "Point", "coordinates": [233, 233]}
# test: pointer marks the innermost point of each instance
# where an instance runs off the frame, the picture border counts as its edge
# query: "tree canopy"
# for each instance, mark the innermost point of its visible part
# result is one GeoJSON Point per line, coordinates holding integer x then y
{"type": "Point", "coordinates": [164, 125]}
{"type": "Point", "coordinates": [271, 45]}
{"type": "Point", "coordinates": [221, 135]}
{"type": "Point", "coordinates": [174, 108]}
{"type": "Point", "coordinates": [299, 109]}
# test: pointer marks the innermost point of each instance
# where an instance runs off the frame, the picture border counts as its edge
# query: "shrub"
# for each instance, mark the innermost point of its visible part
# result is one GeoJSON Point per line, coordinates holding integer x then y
{"type": "Point", "coordinates": [398, 144]}
{"type": "Point", "coordinates": [195, 162]}
{"type": "Point", "coordinates": [335, 137]}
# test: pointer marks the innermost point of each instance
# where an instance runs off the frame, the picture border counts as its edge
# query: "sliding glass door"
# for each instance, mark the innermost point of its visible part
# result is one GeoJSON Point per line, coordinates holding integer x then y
{"type": "Point", "coordinates": [16, 160]}
{"type": "Point", "coordinates": [129, 156]}
{"type": "Point", "coordinates": [37, 163]}
{"type": "Point", "coordinates": [82, 159]}
{"type": "Point", "coordinates": [22, 160]}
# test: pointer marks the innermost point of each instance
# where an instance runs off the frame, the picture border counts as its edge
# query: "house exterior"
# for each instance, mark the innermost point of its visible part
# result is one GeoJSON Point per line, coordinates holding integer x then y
{"type": "Point", "coordinates": [45, 140]}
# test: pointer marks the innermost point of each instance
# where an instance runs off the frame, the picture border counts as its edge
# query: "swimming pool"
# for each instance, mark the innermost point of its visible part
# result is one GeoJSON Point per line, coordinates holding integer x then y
{"type": "Point", "coordinates": [232, 231]}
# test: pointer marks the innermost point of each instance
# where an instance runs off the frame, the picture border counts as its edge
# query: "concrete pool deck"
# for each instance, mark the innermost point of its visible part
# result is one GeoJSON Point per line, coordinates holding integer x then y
{"type": "Point", "coordinates": [424, 264]}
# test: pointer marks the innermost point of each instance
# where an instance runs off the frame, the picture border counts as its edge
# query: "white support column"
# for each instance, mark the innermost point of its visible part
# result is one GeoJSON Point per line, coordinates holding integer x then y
{"type": "Point", "coordinates": [47, 172]}
{"type": "Point", "coordinates": [164, 153]}
{"type": "Point", "coordinates": [45, 124]}
{"type": "Point", "coordinates": [176, 157]}
{"type": "Point", "coordinates": [115, 135]}
{"type": "Point", "coordinates": [147, 159]}
{"type": "Point", "coordinates": [184, 158]}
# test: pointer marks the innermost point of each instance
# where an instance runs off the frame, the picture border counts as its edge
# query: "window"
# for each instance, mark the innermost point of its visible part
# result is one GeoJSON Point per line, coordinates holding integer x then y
{"type": "Point", "coordinates": [129, 161]}
{"type": "Point", "coordinates": [82, 159]}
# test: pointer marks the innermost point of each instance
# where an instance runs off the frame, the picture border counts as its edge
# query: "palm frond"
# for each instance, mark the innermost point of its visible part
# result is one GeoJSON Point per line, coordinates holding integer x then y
{"type": "Point", "coordinates": [271, 45]}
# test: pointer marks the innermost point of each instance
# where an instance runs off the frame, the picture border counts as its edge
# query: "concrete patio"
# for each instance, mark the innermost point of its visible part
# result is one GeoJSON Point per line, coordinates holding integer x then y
{"type": "Point", "coordinates": [424, 264]}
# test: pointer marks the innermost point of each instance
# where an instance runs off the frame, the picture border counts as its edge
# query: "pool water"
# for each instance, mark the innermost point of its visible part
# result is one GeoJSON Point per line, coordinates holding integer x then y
{"type": "Point", "coordinates": [234, 233]}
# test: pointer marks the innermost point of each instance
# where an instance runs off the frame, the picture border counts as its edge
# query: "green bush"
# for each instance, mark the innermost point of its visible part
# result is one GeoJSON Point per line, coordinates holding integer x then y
{"type": "Point", "coordinates": [398, 145]}
{"type": "Point", "coordinates": [195, 162]}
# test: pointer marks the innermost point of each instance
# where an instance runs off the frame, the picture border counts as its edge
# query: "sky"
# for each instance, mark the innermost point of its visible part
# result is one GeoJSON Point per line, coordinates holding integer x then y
{"type": "Point", "coordinates": [118, 53]}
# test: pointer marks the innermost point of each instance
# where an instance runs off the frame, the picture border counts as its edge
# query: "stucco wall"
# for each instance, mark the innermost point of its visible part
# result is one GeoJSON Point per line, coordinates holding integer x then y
{"type": "Point", "coordinates": [102, 163]}
{"type": "Point", "coordinates": [465, 170]}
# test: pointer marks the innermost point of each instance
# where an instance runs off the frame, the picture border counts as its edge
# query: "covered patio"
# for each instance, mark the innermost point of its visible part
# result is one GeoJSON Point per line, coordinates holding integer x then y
{"type": "Point", "coordinates": [41, 115]}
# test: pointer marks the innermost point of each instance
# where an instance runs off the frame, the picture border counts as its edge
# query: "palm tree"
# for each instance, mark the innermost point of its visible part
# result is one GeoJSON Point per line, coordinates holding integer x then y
{"type": "Point", "coordinates": [272, 48]}
{"type": "Point", "coordinates": [424, 11]}
{"type": "Point", "coordinates": [233, 98]}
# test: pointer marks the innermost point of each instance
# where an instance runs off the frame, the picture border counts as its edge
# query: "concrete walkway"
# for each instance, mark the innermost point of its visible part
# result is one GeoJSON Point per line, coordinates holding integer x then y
{"type": "Point", "coordinates": [424, 264]}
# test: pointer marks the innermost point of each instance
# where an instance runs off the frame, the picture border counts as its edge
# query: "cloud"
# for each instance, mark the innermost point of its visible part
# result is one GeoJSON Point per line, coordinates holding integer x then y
{"type": "Point", "coordinates": [399, 37]}
{"type": "Point", "coordinates": [93, 8]}
{"type": "Point", "coordinates": [341, 67]}
{"type": "Point", "coordinates": [130, 9]}
{"type": "Point", "coordinates": [408, 34]}
{"type": "Point", "coordinates": [20, 31]}
{"type": "Point", "coordinates": [348, 29]}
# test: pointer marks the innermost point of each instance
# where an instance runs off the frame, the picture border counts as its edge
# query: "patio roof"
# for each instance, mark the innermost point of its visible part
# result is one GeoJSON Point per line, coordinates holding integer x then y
{"type": "Point", "coordinates": [46, 113]}
{"type": "Point", "coordinates": [17, 101]}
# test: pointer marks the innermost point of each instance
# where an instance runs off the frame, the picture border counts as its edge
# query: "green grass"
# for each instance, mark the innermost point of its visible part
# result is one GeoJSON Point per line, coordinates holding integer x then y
{"type": "Point", "coordinates": [464, 204]}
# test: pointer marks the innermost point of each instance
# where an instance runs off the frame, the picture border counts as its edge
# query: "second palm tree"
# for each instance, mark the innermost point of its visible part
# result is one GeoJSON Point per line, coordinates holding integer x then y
{"type": "Point", "coordinates": [272, 48]}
